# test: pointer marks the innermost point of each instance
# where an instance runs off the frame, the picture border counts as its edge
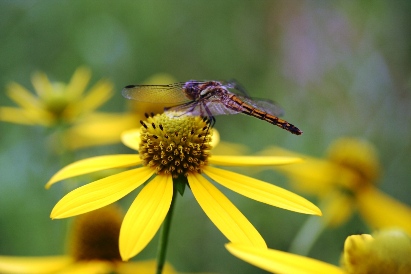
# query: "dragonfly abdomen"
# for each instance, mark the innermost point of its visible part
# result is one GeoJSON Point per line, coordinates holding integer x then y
{"type": "Point", "coordinates": [281, 123]}
{"type": "Point", "coordinates": [262, 115]}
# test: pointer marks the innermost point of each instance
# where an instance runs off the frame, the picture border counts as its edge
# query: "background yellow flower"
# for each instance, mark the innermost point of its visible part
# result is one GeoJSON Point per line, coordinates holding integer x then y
{"type": "Point", "coordinates": [346, 181]}
{"type": "Point", "coordinates": [55, 102]}
{"type": "Point", "coordinates": [93, 248]}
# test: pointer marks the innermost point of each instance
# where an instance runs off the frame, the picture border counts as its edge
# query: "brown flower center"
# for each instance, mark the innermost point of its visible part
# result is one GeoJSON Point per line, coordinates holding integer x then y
{"type": "Point", "coordinates": [95, 235]}
{"type": "Point", "coordinates": [175, 144]}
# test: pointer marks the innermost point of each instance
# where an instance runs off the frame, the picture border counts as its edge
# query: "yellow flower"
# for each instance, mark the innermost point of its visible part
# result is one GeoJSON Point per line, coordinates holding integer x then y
{"type": "Point", "coordinates": [346, 181]}
{"type": "Point", "coordinates": [175, 149]}
{"type": "Point", "coordinates": [93, 249]}
{"type": "Point", "coordinates": [68, 107]}
{"type": "Point", "coordinates": [387, 252]}
{"type": "Point", "coordinates": [55, 102]}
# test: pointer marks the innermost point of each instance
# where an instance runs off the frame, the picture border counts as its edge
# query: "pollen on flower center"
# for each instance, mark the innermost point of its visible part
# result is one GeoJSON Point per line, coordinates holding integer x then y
{"type": "Point", "coordinates": [175, 145]}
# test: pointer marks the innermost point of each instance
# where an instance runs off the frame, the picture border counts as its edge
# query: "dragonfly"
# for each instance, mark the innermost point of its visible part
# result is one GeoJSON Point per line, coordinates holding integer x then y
{"type": "Point", "coordinates": [208, 99]}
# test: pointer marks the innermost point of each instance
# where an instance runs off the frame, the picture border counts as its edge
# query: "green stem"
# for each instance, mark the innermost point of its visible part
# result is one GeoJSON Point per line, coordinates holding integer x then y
{"type": "Point", "coordinates": [66, 156]}
{"type": "Point", "coordinates": [307, 236]}
{"type": "Point", "coordinates": [165, 232]}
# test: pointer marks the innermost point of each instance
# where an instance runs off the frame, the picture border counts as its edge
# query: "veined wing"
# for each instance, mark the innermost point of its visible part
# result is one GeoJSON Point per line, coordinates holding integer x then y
{"type": "Point", "coordinates": [211, 106]}
{"type": "Point", "coordinates": [221, 105]}
{"type": "Point", "coordinates": [163, 94]}
{"type": "Point", "coordinates": [263, 104]}
{"type": "Point", "coordinates": [234, 84]}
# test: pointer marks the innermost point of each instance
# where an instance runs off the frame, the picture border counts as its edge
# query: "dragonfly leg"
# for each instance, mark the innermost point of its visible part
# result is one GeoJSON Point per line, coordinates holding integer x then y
{"type": "Point", "coordinates": [183, 109]}
{"type": "Point", "coordinates": [210, 120]}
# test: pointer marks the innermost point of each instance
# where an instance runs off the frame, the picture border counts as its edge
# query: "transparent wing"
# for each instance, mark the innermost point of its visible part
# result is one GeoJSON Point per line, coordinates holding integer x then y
{"type": "Point", "coordinates": [234, 84]}
{"type": "Point", "coordinates": [266, 105]}
{"type": "Point", "coordinates": [216, 105]}
{"type": "Point", "coordinates": [211, 106]}
{"type": "Point", "coordinates": [174, 94]}
{"type": "Point", "coordinates": [263, 104]}
{"type": "Point", "coordinates": [164, 94]}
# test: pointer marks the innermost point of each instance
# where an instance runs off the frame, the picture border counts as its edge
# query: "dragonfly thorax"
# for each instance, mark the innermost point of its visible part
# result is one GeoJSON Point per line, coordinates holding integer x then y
{"type": "Point", "coordinates": [196, 90]}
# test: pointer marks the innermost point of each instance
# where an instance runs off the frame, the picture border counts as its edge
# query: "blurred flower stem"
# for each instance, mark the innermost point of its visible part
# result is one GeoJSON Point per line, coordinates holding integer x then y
{"type": "Point", "coordinates": [165, 232]}
{"type": "Point", "coordinates": [60, 148]}
{"type": "Point", "coordinates": [307, 236]}
{"type": "Point", "coordinates": [309, 232]}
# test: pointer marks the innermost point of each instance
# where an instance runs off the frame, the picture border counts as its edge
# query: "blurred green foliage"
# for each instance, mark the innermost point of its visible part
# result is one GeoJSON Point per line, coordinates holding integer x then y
{"type": "Point", "coordinates": [338, 68]}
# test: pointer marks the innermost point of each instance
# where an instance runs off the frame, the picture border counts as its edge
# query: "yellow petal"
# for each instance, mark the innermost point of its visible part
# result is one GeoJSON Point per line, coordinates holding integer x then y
{"type": "Point", "coordinates": [225, 148]}
{"type": "Point", "coordinates": [90, 267]}
{"type": "Point", "coordinates": [42, 85]}
{"type": "Point", "coordinates": [215, 139]}
{"type": "Point", "coordinates": [252, 160]}
{"type": "Point", "coordinates": [281, 262]}
{"type": "Point", "coordinates": [313, 175]}
{"type": "Point", "coordinates": [98, 95]}
{"type": "Point", "coordinates": [94, 164]}
{"type": "Point", "coordinates": [100, 193]}
{"type": "Point", "coordinates": [145, 216]}
{"type": "Point", "coordinates": [131, 138]}
{"type": "Point", "coordinates": [23, 97]}
{"type": "Point", "coordinates": [382, 211]}
{"type": "Point", "coordinates": [99, 129]}
{"type": "Point", "coordinates": [261, 191]}
{"type": "Point", "coordinates": [228, 219]}
{"type": "Point", "coordinates": [310, 172]}
{"type": "Point", "coordinates": [337, 208]}
{"type": "Point", "coordinates": [78, 82]}
{"type": "Point", "coordinates": [34, 265]}
{"type": "Point", "coordinates": [148, 266]}
{"type": "Point", "coordinates": [31, 105]}
{"type": "Point", "coordinates": [18, 116]}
